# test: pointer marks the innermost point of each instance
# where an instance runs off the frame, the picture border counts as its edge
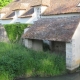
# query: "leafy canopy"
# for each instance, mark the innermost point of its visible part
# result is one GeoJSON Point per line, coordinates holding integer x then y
{"type": "Point", "coordinates": [4, 3]}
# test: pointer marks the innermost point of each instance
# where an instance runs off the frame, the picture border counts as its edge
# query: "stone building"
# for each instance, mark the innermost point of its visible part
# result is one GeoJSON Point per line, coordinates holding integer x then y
{"type": "Point", "coordinates": [23, 11]}
{"type": "Point", "coordinates": [56, 21]}
{"type": "Point", "coordinates": [63, 35]}
{"type": "Point", "coordinates": [29, 11]}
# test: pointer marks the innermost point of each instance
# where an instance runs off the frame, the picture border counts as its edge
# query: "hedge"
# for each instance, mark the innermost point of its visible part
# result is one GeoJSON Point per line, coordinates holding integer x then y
{"type": "Point", "coordinates": [14, 31]}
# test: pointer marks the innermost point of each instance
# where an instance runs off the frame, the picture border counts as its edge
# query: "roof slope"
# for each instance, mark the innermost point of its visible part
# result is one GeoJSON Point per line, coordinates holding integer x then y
{"type": "Point", "coordinates": [53, 7]}
{"type": "Point", "coordinates": [54, 29]}
{"type": "Point", "coordinates": [41, 2]}
{"type": "Point", "coordinates": [62, 6]}
{"type": "Point", "coordinates": [8, 10]}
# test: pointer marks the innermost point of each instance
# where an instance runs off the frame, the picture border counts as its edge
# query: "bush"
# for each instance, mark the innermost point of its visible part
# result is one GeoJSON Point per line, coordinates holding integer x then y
{"type": "Point", "coordinates": [14, 31]}
{"type": "Point", "coordinates": [19, 61]}
{"type": "Point", "coordinates": [5, 76]}
{"type": "Point", "coordinates": [4, 3]}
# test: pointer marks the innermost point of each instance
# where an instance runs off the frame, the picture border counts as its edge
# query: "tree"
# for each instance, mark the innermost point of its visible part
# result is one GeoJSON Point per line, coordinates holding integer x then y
{"type": "Point", "coordinates": [4, 3]}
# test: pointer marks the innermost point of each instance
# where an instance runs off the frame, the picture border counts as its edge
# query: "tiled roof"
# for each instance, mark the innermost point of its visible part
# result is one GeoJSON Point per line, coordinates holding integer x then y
{"type": "Point", "coordinates": [40, 2]}
{"type": "Point", "coordinates": [8, 10]}
{"type": "Point", "coordinates": [4, 10]}
{"type": "Point", "coordinates": [20, 6]}
{"type": "Point", "coordinates": [53, 6]}
{"type": "Point", "coordinates": [11, 15]}
{"type": "Point", "coordinates": [62, 7]}
{"type": "Point", "coordinates": [16, 5]}
{"type": "Point", "coordinates": [8, 16]}
{"type": "Point", "coordinates": [54, 29]}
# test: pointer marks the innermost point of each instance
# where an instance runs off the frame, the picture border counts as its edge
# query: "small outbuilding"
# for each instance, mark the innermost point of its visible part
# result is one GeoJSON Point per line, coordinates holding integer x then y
{"type": "Point", "coordinates": [63, 34]}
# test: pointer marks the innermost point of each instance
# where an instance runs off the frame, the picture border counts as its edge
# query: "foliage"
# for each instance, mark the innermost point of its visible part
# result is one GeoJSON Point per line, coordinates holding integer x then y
{"type": "Point", "coordinates": [5, 76]}
{"type": "Point", "coordinates": [14, 31]}
{"type": "Point", "coordinates": [16, 60]}
{"type": "Point", "coordinates": [4, 3]}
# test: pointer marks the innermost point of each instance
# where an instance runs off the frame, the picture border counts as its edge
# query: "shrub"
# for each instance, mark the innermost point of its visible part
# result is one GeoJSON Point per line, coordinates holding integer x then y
{"type": "Point", "coordinates": [5, 76]}
{"type": "Point", "coordinates": [16, 60]}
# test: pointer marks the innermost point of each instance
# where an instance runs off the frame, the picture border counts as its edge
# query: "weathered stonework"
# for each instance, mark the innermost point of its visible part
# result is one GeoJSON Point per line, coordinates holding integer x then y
{"type": "Point", "coordinates": [3, 34]}
{"type": "Point", "coordinates": [71, 59]}
{"type": "Point", "coordinates": [28, 43]}
{"type": "Point", "coordinates": [36, 45]}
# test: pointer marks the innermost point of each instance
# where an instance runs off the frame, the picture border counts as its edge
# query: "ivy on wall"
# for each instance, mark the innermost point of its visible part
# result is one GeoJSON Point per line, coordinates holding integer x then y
{"type": "Point", "coordinates": [14, 31]}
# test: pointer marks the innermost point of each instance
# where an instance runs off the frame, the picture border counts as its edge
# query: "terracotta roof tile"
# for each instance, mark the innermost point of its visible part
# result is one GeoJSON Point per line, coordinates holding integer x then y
{"type": "Point", "coordinates": [54, 29]}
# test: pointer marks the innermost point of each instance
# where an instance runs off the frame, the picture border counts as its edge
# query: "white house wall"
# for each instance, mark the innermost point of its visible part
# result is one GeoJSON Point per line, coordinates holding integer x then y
{"type": "Point", "coordinates": [21, 20]}
{"type": "Point", "coordinates": [76, 44]}
{"type": "Point", "coordinates": [28, 20]}
{"type": "Point", "coordinates": [28, 43]}
{"type": "Point", "coordinates": [38, 10]}
{"type": "Point", "coordinates": [68, 55]}
{"type": "Point", "coordinates": [21, 12]}
{"type": "Point", "coordinates": [61, 15]}
{"type": "Point", "coordinates": [43, 8]}
{"type": "Point", "coordinates": [5, 21]}
{"type": "Point", "coordinates": [71, 58]}
{"type": "Point", "coordinates": [73, 51]}
{"type": "Point", "coordinates": [1, 15]}
{"type": "Point", "coordinates": [17, 14]}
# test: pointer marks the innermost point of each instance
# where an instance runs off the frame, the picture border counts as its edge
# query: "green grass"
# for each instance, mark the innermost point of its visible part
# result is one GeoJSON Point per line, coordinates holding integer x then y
{"type": "Point", "coordinates": [16, 60]}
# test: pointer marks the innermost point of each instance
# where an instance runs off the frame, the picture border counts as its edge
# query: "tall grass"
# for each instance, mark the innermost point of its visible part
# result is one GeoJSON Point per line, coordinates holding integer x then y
{"type": "Point", "coordinates": [16, 60]}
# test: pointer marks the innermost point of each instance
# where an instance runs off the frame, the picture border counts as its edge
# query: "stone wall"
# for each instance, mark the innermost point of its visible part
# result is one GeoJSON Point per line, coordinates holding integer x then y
{"type": "Point", "coordinates": [28, 43]}
{"type": "Point", "coordinates": [36, 45]}
{"type": "Point", "coordinates": [3, 34]}
{"type": "Point", "coordinates": [71, 57]}
{"type": "Point", "coordinates": [73, 51]}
